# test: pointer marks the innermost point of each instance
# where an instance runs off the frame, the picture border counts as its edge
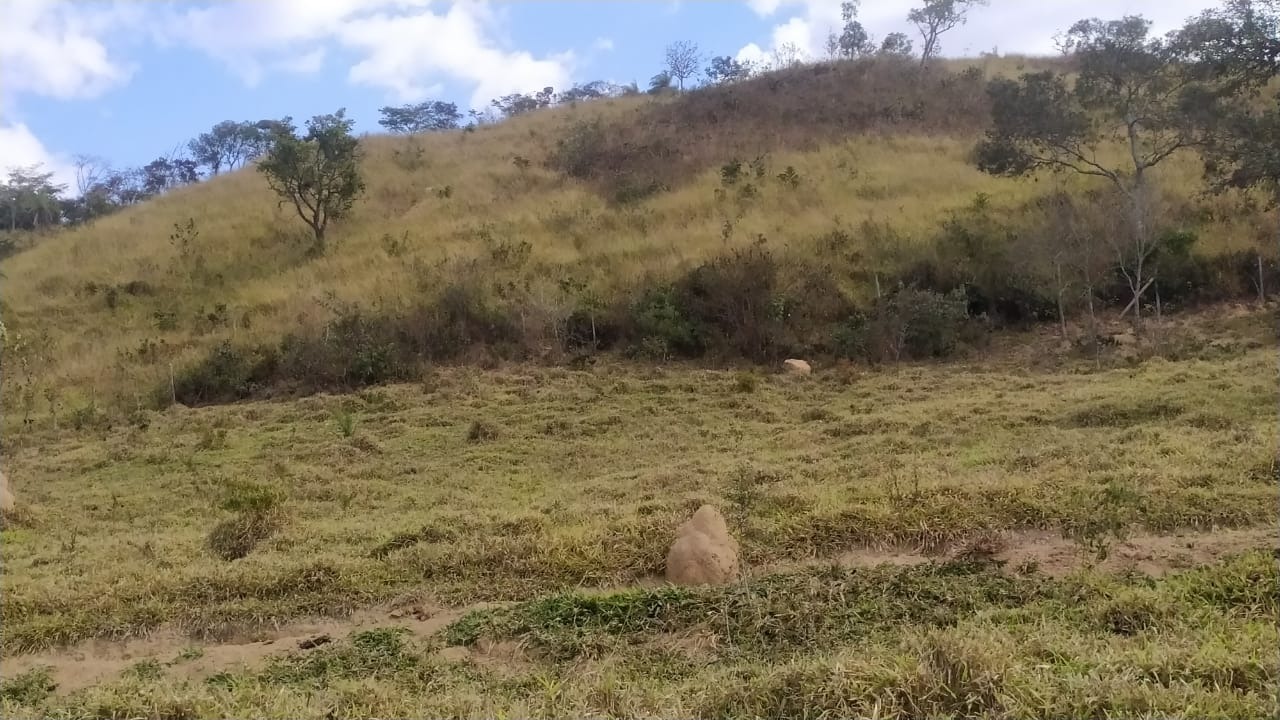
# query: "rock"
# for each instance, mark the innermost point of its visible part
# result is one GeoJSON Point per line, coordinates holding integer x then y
{"type": "Point", "coordinates": [796, 367]}
{"type": "Point", "coordinates": [704, 553]}
{"type": "Point", "coordinates": [314, 642]}
{"type": "Point", "coordinates": [7, 502]}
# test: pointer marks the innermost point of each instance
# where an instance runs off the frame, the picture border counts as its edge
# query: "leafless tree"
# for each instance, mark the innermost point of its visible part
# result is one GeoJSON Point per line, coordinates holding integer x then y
{"type": "Point", "coordinates": [91, 171]}
{"type": "Point", "coordinates": [683, 61]}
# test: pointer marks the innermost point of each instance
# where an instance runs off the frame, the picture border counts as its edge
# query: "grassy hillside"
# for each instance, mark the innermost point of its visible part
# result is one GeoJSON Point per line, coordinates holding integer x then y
{"type": "Point", "coordinates": [410, 506]}
{"type": "Point", "coordinates": [104, 314]}
{"type": "Point", "coordinates": [468, 512]}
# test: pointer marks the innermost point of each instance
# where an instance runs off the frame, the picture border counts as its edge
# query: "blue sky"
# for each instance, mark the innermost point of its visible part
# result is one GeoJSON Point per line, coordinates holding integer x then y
{"type": "Point", "coordinates": [129, 80]}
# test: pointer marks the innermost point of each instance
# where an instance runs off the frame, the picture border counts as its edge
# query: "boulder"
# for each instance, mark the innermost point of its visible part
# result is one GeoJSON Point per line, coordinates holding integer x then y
{"type": "Point", "coordinates": [796, 367]}
{"type": "Point", "coordinates": [704, 553]}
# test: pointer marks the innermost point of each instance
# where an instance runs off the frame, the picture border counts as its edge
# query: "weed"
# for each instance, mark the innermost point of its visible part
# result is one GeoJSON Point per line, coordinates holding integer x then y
{"type": "Point", "coordinates": [346, 421]}
{"type": "Point", "coordinates": [146, 670]}
{"type": "Point", "coordinates": [28, 688]}
{"type": "Point", "coordinates": [482, 431]}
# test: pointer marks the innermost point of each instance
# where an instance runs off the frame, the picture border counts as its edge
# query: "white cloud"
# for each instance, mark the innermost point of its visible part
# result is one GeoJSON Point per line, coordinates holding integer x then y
{"type": "Point", "coordinates": [405, 47]}
{"type": "Point", "coordinates": [396, 58]}
{"type": "Point", "coordinates": [603, 44]}
{"type": "Point", "coordinates": [55, 49]}
{"type": "Point", "coordinates": [303, 64]}
{"type": "Point", "coordinates": [1017, 26]}
{"type": "Point", "coordinates": [20, 148]}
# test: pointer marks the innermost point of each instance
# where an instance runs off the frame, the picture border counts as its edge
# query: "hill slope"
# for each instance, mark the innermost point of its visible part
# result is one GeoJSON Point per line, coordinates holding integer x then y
{"type": "Point", "coordinates": [842, 191]}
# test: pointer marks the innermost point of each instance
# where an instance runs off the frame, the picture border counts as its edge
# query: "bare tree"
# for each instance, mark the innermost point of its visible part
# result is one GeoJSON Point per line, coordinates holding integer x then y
{"type": "Point", "coordinates": [91, 170]}
{"type": "Point", "coordinates": [937, 17]}
{"type": "Point", "coordinates": [683, 61]}
{"type": "Point", "coordinates": [788, 55]}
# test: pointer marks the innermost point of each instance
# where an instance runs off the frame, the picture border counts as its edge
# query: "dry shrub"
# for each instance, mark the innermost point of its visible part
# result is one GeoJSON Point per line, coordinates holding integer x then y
{"type": "Point", "coordinates": [666, 143]}
{"type": "Point", "coordinates": [258, 516]}
{"type": "Point", "coordinates": [237, 536]}
{"type": "Point", "coordinates": [955, 678]}
{"type": "Point", "coordinates": [482, 431]}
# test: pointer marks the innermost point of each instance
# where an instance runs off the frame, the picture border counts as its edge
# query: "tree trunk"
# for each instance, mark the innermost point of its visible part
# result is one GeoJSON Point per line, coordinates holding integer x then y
{"type": "Point", "coordinates": [1262, 283]}
{"type": "Point", "coordinates": [1062, 312]}
{"type": "Point", "coordinates": [1093, 323]}
{"type": "Point", "coordinates": [1138, 202]}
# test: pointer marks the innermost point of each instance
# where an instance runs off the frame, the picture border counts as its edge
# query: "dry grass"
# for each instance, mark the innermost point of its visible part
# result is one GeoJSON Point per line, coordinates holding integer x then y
{"type": "Point", "coordinates": [525, 483]}
{"type": "Point", "coordinates": [252, 281]}
{"type": "Point", "coordinates": [591, 470]}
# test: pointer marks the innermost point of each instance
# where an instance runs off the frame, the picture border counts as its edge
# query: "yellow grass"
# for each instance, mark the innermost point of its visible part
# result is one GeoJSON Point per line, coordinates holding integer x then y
{"type": "Point", "coordinates": [254, 249]}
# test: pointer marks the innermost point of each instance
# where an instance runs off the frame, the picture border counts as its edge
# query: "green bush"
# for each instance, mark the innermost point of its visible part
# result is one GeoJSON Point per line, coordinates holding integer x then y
{"type": "Point", "coordinates": [908, 324]}
{"type": "Point", "coordinates": [660, 327]}
{"type": "Point", "coordinates": [227, 373]}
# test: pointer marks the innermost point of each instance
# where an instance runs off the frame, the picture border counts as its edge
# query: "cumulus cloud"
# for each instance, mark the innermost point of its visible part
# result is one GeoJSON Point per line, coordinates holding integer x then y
{"type": "Point", "coordinates": [1011, 25]}
{"type": "Point", "coordinates": [20, 148]}
{"type": "Point", "coordinates": [396, 58]}
{"type": "Point", "coordinates": [57, 50]}
{"type": "Point", "coordinates": [405, 47]}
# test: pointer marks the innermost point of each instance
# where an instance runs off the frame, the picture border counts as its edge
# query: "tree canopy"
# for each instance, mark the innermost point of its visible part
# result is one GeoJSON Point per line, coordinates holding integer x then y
{"type": "Point", "coordinates": [318, 173]}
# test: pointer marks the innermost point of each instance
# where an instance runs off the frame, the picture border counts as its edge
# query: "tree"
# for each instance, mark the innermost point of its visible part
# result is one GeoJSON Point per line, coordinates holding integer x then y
{"type": "Point", "coordinates": [683, 61]}
{"type": "Point", "coordinates": [660, 83]}
{"type": "Point", "coordinates": [31, 200]}
{"type": "Point", "coordinates": [787, 55]}
{"type": "Point", "coordinates": [521, 103]}
{"type": "Point", "coordinates": [222, 147]}
{"type": "Point", "coordinates": [936, 18]}
{"type": "Point", "coordinates": [422, 117]}
{"type": "Point", "coordinates": [853, 41]}
{"type": "Point", "coordinates": [318, 173]}
{"type": "Point", "coordinates": [1237, 46]}
{"type": "Point", "coordinates": [168, 172]}
{"type": "Point", "coordinates": [90, 169]}
{"type": "Point", "coordinates": [1128, 92]}
{"type": "Point", "coordinates": [896, 45]}
{"type": "Point", "coordinates": [725, 69]}
{"type": "Point", "coordinates": [590, 91]}
{"type": "Point", "coordinates": [230, 144]}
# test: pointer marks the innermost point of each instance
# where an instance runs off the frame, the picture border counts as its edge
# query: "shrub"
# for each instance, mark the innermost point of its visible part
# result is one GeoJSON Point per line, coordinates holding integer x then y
{"type": "Point", "coordinates": [732, 300]}
{"type": "Point", "coordinates": [236, 537]}
{"type": "Point", "coordinates": [908, 324]}
{"type": "Point", "coordinates": [746, 382]}
{"type": "Point", "coordinates": [661, 327]}
{"type": "Point", "coordinates": [227, 373]}
{"type": "Point", "coordinates": [346, 421]}
{"type": "Point", "coordinates": [482, 431]}
{"type": "Point", "coordinates": [578, 152]}
{"type": "Point", "coordinates": [28, 688]}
